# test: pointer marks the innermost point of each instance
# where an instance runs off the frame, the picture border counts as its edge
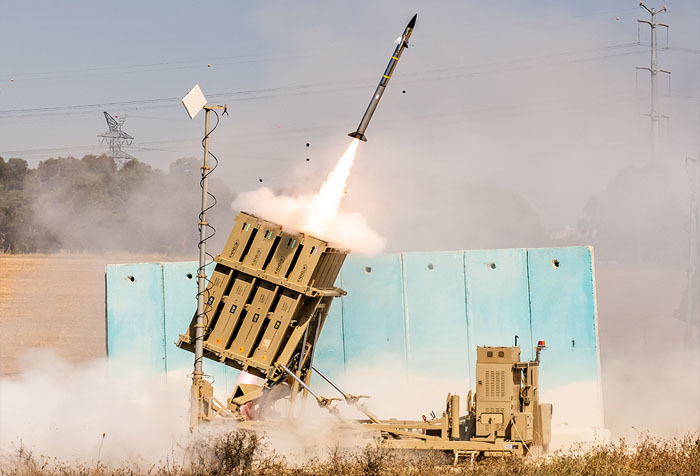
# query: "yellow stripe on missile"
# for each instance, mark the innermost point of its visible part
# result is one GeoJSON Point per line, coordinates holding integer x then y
{"type": "Point", "coordinates": [387, 77]}
{"type": "Point", "coordinates": [394, 57]}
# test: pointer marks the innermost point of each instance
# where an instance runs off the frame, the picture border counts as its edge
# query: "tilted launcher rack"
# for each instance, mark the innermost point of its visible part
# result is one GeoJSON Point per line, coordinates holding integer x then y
{"type": "Point", "coordinates": [265, 305]}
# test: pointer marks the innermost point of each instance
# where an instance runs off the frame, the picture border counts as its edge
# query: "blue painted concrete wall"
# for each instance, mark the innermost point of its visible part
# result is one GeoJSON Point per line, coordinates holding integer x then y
{"type": "Point", "coordinates": [136, 314]}
{"type": "Point", "coordinates": [417, 309]}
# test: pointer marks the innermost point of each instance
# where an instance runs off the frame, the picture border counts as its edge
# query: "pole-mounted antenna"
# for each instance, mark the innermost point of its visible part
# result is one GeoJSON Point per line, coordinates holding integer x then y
{"type": "Point", "coordinates": [194, 102]}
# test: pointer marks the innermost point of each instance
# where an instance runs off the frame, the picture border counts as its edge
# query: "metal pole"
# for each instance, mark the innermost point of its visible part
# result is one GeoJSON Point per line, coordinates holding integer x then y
{"type": "Point", "coordinates": [352, 399]}
{"type": "Point", "coordinates": [196, 401]}
{"type": "Point", "coordinates": [694, 268]}
{"type": "Point", "coordinates": [696, 246]}
{"type": "Point", "coordinates": [332, 384]}
{"type": "Point", "coordinates": [301, 382]}
{"type": "Point", "coordinates": [654, 116]}
{"type": "Point", "coordinates": [201, 274]}
{"type": "Point", "coordinates": [654, 88]}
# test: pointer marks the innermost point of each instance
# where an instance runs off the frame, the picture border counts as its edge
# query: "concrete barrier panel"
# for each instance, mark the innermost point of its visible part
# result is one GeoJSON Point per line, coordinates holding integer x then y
{"type": "Point", "coordinates": [136, 313]}
{"type": "Point", "coordinates": [420, 315]}
{"type": "Point", "coordinates": [497, 296]}
{"type": "Point", "coordinates": [435, 313]}
{"type": "Point", "coordinates": [562, 303]}
{"type": "Point", "coordinates": [373, 314]}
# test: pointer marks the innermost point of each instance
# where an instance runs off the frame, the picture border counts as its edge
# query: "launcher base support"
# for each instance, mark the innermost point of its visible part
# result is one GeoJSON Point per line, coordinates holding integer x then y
{"type": "Point", "coordinates": [504, 416]}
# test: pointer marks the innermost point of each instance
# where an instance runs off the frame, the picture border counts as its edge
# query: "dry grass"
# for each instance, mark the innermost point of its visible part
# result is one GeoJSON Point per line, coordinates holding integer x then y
{"type": "Point", "coordinates": [48, 299]}
{"type": "Point", "coordinates": [242, 454]}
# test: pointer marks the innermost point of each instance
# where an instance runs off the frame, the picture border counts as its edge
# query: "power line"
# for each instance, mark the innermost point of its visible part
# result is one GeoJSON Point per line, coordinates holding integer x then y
{"type": "Point", "coordinates": [45, 151]}
{"type": "Point", "coordinates": [484, 112]}
{"type": "Point", "coordinates": [147, 67]}
{"type": "Point", "coordinates": [235, 59]}
{"type": "Point", "coordinates": [683, 50]}
{"type": "Point", "coordinates": [315, 88]}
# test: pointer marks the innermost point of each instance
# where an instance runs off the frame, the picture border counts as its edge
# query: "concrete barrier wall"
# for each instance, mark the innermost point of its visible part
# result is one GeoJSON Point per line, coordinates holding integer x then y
{"type": "Point", "coordinates": [421, 315]}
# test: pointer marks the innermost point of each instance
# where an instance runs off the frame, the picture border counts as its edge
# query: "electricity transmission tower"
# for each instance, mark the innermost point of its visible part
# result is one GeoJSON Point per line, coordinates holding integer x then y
{"type": "Point", "coordinates": [116, 138]}
{"type": "Point", "coordinates": [654, 70]}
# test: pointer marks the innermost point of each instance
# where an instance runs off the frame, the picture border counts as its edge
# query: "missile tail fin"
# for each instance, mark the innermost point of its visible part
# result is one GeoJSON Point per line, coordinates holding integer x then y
{"type": "Point", "coordinates": [359, 136]}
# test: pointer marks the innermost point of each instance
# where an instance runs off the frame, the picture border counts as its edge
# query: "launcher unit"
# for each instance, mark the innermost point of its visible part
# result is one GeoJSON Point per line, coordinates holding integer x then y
{"type": "Point", "coordinates": [266, 302]}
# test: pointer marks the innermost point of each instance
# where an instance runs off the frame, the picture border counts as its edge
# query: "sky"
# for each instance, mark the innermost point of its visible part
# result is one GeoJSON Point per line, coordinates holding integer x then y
{"type": "Point", "coordinates": [504, 122]}
{"type": "Point", "coordinates": [538, 101]}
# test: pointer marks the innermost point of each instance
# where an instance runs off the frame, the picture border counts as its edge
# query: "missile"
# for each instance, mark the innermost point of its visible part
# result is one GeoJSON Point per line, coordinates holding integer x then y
{"type": "Point", "coordinates": [403, 43]}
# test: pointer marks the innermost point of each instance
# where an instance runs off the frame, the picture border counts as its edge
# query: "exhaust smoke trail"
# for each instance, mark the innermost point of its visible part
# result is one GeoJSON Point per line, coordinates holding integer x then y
{"type": "Point", "coordinates": [326, 204]}
{"type": "Point", "coordinates": [318, 213]}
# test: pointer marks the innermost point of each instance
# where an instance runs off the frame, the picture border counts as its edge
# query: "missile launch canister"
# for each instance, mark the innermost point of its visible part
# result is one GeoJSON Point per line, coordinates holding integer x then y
{"type": "Point", "coordinates": [403, 43]}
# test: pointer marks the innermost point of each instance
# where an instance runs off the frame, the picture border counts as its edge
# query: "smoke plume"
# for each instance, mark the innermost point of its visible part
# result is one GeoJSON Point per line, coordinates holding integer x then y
{"type": "Point", "coordinates": [115, 411]}
{"type": "Point", "coordinates": [318, 213]}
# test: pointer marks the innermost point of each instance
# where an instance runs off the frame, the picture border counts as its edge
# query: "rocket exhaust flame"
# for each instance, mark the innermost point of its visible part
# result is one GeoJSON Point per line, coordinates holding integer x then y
{"type": "Point", "coordinates": [326, 204]}
{"type": "Point", "coordinates": [319, 213]}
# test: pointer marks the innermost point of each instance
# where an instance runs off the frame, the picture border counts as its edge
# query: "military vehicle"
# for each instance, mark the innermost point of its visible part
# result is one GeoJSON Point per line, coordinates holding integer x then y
{"type": "Point", "coordinates": [265, 307]}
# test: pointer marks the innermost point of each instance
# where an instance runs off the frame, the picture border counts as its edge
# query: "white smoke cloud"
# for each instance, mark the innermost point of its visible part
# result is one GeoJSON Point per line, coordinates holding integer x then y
{"type": "Point", "coordinates": [62, 410]}
{"type": "Point", "coordinates": [318, 213]}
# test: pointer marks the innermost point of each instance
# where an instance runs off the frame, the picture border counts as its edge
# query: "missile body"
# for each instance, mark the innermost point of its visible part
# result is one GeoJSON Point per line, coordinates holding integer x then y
{"type": "Point", "coordinates": [403, 44]}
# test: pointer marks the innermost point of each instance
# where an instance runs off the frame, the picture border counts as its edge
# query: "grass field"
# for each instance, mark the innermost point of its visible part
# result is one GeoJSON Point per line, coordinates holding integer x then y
{"type": "Point", "coordinates": [244, 454]}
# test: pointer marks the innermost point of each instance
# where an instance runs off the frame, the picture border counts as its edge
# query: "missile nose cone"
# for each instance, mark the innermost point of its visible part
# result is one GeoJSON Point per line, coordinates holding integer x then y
{"type": "Point", "coordinates": [412, 23]}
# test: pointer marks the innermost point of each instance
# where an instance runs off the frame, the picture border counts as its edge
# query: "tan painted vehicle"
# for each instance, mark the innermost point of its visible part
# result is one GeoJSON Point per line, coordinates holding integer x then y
{"type": "Point", "coordinates": [266, 303]}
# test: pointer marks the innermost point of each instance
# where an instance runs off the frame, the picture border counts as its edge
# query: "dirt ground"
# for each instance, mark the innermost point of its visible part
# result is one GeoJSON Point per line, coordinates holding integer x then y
{"type": "Point", "coordinates": [54, 301]}
{"type": "Point", "coordinates": [647, 355]}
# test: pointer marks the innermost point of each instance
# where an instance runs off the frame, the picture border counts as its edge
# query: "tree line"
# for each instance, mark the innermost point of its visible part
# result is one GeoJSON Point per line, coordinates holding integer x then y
{"type": "Point", "coordinates": [88, 204]}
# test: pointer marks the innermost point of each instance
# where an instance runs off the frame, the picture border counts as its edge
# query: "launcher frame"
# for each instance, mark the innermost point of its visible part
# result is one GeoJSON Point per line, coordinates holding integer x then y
{"type": "Point", "coordinates": [265, 305]}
